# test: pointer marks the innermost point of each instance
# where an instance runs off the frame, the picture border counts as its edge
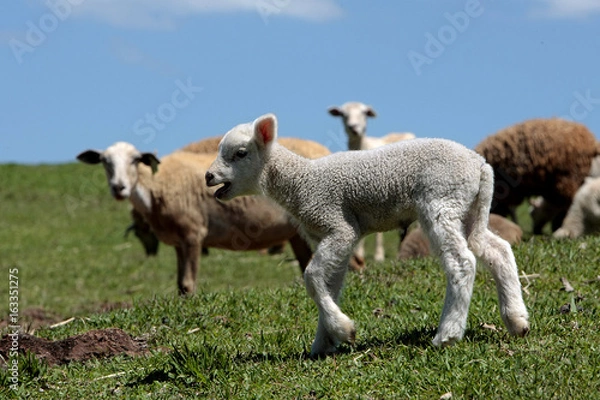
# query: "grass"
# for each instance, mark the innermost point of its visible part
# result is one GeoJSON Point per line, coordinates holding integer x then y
{"type": "Point", "coordinates": [248, 330]}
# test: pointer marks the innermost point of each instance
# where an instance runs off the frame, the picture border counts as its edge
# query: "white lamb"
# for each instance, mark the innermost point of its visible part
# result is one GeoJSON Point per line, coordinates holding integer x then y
{"type": "Point", "coordinates": [340, 198]}
{"type": "Point", "coordinates": [583, 217]}
{"type": "Point", "coordinates": [354, 117]}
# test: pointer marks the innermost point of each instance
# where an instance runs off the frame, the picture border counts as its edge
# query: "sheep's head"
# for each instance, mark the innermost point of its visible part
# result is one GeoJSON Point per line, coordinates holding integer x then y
{"type": "Point", "coordinates": [241, 159]}
{"type": "Point", "coordinates": [120, 163]}
{"type": "Point", "coordinates": [354, 115]}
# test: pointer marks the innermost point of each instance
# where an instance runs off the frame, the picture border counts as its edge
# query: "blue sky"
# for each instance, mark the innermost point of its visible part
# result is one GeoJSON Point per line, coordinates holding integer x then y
{"type": "Point", "coordinates": [80, 74]}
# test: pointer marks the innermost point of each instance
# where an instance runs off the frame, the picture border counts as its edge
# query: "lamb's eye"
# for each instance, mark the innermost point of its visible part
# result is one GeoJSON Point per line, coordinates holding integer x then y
{"type": "Point", "coordinates": [241, 153]}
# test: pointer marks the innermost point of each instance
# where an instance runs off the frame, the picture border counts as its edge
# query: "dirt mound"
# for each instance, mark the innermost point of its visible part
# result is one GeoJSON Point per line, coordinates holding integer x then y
{"type": "Point", "coordinates": [102, 343]}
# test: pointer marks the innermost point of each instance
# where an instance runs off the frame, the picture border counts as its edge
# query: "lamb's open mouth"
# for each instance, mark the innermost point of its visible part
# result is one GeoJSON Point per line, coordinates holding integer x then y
{"type": "Point", "coordinates": [222, 191]}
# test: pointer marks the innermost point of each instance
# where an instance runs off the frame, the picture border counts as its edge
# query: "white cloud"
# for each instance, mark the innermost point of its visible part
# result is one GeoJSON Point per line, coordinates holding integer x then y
{"type": "Point", "coordinates": [568, 8]}
{"type": "Point", "coordinates": [165, 14]}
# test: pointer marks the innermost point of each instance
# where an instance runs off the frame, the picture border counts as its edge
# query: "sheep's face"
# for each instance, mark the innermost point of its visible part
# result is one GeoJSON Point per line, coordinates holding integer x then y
{"type": "Point", "coordinates": [241, 159]}
{"type": "Point", "coordinates": [120, 163]}
{"type": "Point", "coordinates": [354, 115]}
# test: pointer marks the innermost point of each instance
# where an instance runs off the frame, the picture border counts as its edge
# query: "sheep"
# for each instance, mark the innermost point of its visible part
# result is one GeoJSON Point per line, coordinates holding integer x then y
{"type": "Point", "coordinates": [583, 217]}
{"type": "Point", "coordinates": [183, 212]}
{"type": "Point", "coordinates": [339, 198]}
{"type": "Point", "coordinates": [539, 157]}
{"type": "Point", "coordinates": [306, 148]}
{"type": "Point", "coordinates": [354, 117]}
{"type": "Point", "coordinates": [541, 211]}
{"type": "Point", "coordinates": [416, 245]}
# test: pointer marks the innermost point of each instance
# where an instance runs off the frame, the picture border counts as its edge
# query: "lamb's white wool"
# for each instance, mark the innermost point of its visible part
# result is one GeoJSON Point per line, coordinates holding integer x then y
{"type": "Point", "coordinates": [340, 198]}
{"type": "Point", "coordinates": [354, 117]}
{"type": "Point", "coordinates": [583, 217]}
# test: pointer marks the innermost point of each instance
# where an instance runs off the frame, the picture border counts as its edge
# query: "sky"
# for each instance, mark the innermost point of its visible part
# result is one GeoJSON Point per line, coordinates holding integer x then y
{"type": "Point", "coordinates": [80, 74]}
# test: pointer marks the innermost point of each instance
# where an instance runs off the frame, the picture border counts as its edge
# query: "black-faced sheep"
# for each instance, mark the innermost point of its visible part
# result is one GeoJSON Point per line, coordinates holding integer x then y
{"type": "Point", "coordinates": [538, 157]}
{"type": "Point", "coordinates": [183, 213]}
{"type": "Point", "coordinates": [416, 244]}
{"type": "Point", "coordinates": [339, 198]}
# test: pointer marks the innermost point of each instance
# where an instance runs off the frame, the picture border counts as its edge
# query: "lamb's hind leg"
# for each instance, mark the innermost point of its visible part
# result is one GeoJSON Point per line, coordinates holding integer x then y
{"type": "Point", "coordinates": [324, 278]}
{"type": "Point", "coordinates": [496, 254]}
{"type": "Point", "coordinates": [459, 265]}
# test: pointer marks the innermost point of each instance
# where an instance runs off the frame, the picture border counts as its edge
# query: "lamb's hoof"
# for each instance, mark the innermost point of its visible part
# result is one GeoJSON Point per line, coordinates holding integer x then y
{"type": "Point", "coordinates": [517, 326]}
{"type": "Point", "coordinates": [379, 258]}
{"type": "Point", "coordinates": [438, 341]}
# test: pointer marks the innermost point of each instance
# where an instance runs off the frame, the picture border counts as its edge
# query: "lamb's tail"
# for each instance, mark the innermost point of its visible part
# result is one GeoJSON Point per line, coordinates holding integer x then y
{"type": "Point", "coordinates": [480, 212]}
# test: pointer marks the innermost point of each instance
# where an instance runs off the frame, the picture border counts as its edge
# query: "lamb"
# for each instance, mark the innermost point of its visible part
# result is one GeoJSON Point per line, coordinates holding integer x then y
{"type": "Point", "coordinates": [416, 245]}
{"type": "Point", "coordinates": [339, 198]}
{"type": "Point", "coordinates": [306, 148]}
{"type": "Point", "coordinates": [583, 217]}
{"type": "Point", "coordinates": [354, 116]}
{"type": "Point", "coordinates": [538, 157]}
{"type": "Point", "coordinates": [183, 213]}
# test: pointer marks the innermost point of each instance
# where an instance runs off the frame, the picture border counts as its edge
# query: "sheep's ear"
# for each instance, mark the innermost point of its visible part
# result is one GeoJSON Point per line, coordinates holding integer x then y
{"type": "Point", "coordinates": [265, 129]}
{"type": "Point", "coordinates": [90, 157]}
{"type": "Point", "coordinates": [150, 160]}
{"type": "Point", "coordinates": [336, 112]}
{"type": "Point", "coordinates": [370, 112]}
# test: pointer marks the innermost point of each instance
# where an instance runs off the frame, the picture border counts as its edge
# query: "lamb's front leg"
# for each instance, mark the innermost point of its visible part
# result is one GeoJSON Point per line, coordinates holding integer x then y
{"type": "Point", "coordinates": [324, 278]}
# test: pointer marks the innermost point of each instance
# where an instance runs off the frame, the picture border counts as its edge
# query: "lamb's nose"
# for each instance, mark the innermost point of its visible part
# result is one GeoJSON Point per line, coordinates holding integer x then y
{"type": "Point", "coordinates": [209, 177]}
{"type": "Point", "coordinates": [118, 187]}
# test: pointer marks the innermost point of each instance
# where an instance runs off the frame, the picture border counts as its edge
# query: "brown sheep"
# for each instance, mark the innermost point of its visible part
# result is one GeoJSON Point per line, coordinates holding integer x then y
{"type": "Point", "coordinates": [538, 157]}
{"type": "Point", "coordinates": [416, 245]}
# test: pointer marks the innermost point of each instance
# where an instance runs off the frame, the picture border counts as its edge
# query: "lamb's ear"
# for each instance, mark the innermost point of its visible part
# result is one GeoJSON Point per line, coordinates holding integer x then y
{"type": "Point", "coordinates": [265, 129]}
{"type": "Point", "coordinates": [335, 111]}
{"type": "Point", "coordinates": [90, 157]}
{"type": "Point", "coordinates": [150, 160]}
{"type": "Point", "coordinates": [370, 112]}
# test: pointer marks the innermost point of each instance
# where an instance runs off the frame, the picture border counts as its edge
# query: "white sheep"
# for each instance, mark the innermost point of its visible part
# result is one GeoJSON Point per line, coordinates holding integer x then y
{"type": "Point", "coordinates": [354, 117]}
{"type": "Point", "coordinates": [340, 198]}
{"type": "Point", "coordinates": [583, 217]}
{"type": "Point", "coordinates": [183, 212]}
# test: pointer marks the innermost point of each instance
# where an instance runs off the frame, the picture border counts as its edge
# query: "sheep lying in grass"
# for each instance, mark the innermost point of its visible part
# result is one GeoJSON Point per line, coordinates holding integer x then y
{"type": "Point", "coordinates": [183, 213]}
{"type": "Point", "coordinates": [539, 157]}
{"type": "Point", "coordinates": [416, 245]}
{"type": "Point", "coordinates": [583, 217]}
{"type": "Point", "coordinates": [339, 198]}
{"type": "Point", "coordinates": [354, 117]}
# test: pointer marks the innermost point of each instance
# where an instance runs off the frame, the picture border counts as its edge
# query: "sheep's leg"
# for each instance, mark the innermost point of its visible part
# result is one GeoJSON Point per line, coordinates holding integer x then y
{"type": "Point", "coordinates": [324, 278]}
{"type": "Point", "coordinates": [360, 249]}
{"type": "Point", "coordinates": [497, 255]}
{"type": "Point", "coordinates": [187, 267]}
{"type": "Point", "coordinates": [302, 251]}
{"type": "Point", "coordinates": [459, 264]}
{"type": "Point", "coordinates": [379, 249]}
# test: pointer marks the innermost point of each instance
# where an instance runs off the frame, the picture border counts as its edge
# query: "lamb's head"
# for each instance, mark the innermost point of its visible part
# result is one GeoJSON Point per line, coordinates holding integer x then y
{"type": "Point", "coordinates": [120, 163]}
{"type": "Point", "coordinates": [243, 152]}
{"type": "Point", "coordinates": [354, 115]}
